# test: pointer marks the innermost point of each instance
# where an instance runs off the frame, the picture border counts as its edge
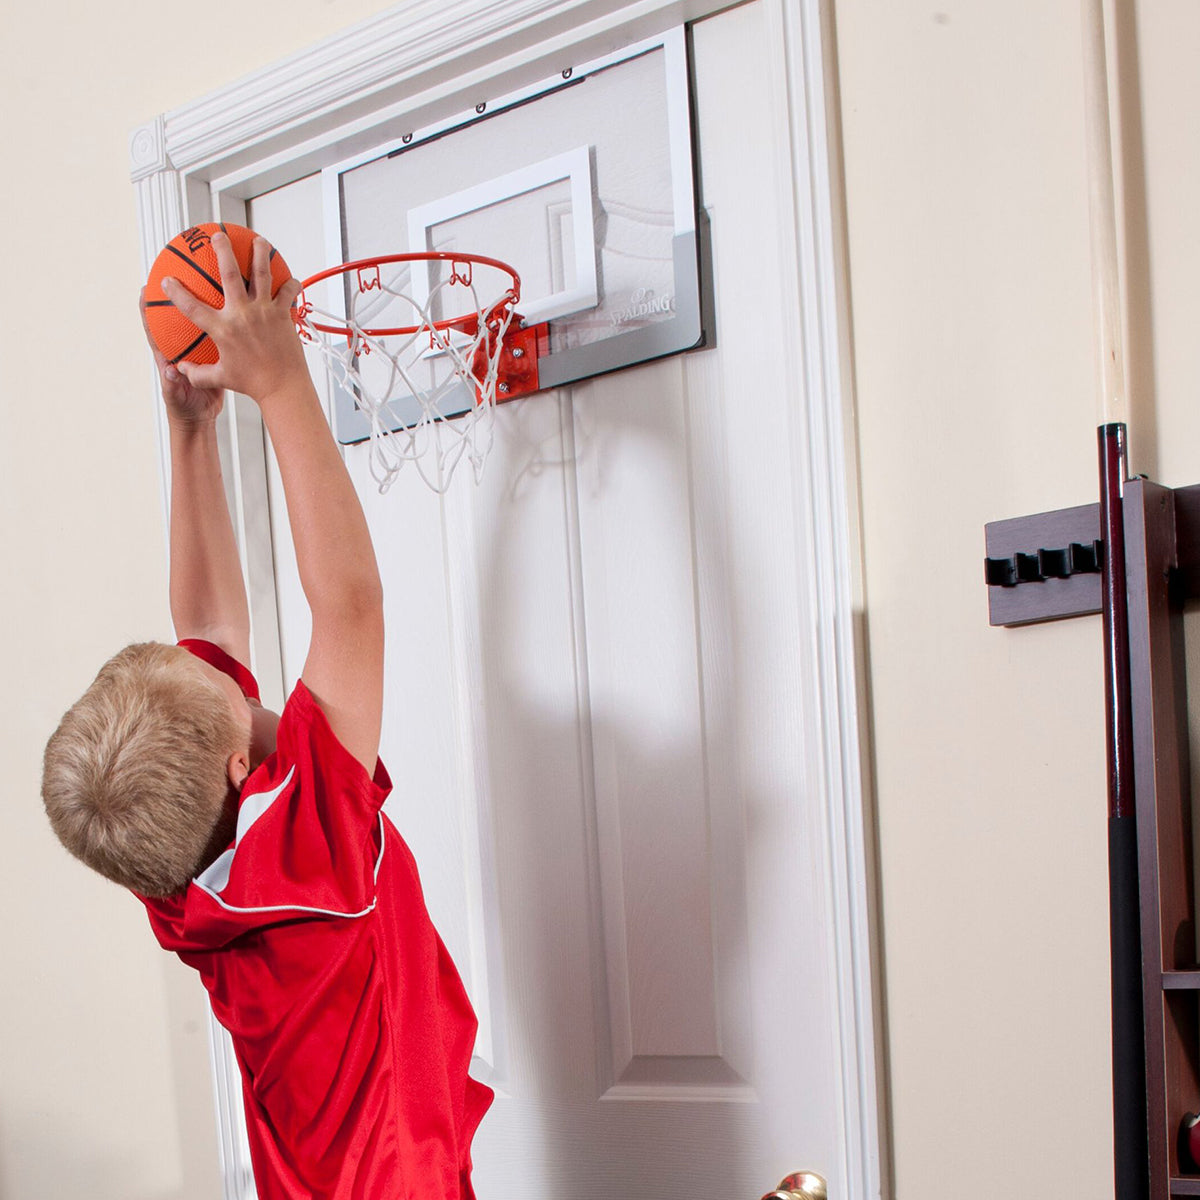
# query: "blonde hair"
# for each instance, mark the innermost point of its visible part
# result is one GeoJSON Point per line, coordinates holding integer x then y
{"type": "Point", "coordinates": [135, 780]}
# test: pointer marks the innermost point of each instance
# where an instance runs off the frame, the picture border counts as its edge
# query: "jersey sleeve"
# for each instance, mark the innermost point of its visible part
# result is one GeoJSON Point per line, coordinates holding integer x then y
{"type": "Point", "coordinates": [309, 839]}
{"type": "Point", "coordinates": [212, 654]}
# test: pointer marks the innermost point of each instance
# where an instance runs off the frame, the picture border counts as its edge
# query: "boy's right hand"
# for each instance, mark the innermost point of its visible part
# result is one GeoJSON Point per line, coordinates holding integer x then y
{"type": "Point", "coordinates": [186, 404]}
{"type": "Point", "coordinates": [261, 353]}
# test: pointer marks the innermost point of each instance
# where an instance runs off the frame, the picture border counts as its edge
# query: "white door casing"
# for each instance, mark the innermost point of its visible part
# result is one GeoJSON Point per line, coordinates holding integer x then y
{"type": "Point", "coordinates": [210, 157]}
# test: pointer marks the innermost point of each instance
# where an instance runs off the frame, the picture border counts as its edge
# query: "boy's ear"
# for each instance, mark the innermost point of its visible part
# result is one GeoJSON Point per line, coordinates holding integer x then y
{"type": "Point", "coordinates": [238, 769]}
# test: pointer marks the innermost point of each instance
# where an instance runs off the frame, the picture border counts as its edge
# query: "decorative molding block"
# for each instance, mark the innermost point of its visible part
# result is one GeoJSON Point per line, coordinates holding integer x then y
{"type": "Point", "coordinates": [148, 149]}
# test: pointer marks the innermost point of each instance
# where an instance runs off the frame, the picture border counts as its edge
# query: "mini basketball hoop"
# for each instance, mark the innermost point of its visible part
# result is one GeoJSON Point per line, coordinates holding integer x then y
{"type": "Point", "coordinates": [423, 355]}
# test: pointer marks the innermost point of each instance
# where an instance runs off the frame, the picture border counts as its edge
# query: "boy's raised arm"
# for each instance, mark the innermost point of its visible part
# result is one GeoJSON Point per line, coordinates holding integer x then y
{"type": "Point", "coordinates": [261, 356]}
{"type": "Point", "coordinates": [207, 591]}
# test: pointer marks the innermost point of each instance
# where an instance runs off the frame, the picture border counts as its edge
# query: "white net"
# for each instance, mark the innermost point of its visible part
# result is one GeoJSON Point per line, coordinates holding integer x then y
{"type": "Point", "coordinates": [410, 340]}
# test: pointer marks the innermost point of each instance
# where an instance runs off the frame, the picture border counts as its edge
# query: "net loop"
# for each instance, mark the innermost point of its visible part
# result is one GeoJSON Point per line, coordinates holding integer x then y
{"type": "Point", "coordinates": [301, 311]}
{"type": "Point", "coordinates": [369, 279]}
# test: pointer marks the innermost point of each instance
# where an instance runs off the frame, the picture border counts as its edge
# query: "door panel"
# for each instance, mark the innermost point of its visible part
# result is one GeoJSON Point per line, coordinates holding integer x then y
{"type": "Point", "coordinates": [597, 669]}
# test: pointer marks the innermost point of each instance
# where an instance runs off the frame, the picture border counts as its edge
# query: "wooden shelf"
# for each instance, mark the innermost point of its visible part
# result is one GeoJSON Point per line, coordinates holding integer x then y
{"type": "Point", "coordinates": [1182, 981]}
{"type": "Point", "coordinates": [1185, 1185]}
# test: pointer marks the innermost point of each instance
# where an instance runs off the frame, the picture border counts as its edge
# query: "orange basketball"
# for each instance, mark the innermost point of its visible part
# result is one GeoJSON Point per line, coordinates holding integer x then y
{"type": "Point", "coordinates": [191, 259]}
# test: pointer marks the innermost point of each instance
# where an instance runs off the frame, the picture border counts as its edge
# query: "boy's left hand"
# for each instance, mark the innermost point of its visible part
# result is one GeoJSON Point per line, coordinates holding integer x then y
{"type": "Point", "coordinates": [186, 403]}
{"type": "Point", "coordinates": [260, 350]}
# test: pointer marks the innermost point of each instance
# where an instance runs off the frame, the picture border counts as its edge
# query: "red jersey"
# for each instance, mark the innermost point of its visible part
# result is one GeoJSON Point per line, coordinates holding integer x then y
{"type": "Point", "coordinates": [348, 1018]}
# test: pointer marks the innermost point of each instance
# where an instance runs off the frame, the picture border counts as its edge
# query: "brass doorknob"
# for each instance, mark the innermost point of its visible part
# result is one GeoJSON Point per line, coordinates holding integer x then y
{"type": "Point", "coordinates": [801, 1185]}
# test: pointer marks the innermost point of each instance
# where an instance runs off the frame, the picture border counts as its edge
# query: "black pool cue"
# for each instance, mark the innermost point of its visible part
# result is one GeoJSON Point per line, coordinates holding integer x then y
{"type": "Point", "coordinates": [1130, 1135]}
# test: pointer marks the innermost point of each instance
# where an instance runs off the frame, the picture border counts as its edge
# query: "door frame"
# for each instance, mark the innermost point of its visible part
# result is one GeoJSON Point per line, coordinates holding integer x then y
{"type": "Point", "coordinates": [424, 60]}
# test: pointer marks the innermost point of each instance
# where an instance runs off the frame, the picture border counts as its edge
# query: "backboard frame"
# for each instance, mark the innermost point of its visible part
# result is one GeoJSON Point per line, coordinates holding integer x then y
{"type": "Point", "coordinates": [688, 325]}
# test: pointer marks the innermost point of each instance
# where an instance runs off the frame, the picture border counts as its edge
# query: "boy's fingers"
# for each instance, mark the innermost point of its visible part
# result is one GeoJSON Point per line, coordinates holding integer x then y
{"type": "Point", "coordinates": [200, 375]}
{"type": "Point", "coordinates": [200, 314]}
{"type": "Point", "coordinates": [232, 283]}
{"type": "Point", "coordinates": [260, 269]}
{"type": "Point", "coordinates": [289, 291]}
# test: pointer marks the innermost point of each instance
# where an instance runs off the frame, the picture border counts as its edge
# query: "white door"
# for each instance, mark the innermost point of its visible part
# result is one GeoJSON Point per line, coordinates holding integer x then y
{"type": "Point", "coordinates": [600, 671]}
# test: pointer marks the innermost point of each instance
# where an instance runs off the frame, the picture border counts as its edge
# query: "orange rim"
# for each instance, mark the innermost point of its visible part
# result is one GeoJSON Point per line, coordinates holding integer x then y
{"type": "Point", "coordinates": [506, 302]}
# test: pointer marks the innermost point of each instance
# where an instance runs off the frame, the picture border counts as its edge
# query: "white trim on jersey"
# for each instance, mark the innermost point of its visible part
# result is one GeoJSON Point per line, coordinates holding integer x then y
{"type": "Point", "coordinates": [214, 879]}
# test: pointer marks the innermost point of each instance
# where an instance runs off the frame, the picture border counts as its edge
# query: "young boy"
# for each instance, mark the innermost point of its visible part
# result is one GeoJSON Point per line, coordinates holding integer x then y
{"type": "Point", "coordinates": [256, 842]}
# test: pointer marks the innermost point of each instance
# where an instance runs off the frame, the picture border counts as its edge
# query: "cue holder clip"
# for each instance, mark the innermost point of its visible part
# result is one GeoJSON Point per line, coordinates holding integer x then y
{"type": "Point", "coordinates": [1078, 558]}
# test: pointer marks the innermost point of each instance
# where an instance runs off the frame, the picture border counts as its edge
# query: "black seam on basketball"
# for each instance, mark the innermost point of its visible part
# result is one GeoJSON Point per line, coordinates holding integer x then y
{"type": "Point", "coordinates": [160, 304]}
{"type": "Point", "coordinates": [185, 352]}
{"type": "Point", "coordinates": [195, 267]}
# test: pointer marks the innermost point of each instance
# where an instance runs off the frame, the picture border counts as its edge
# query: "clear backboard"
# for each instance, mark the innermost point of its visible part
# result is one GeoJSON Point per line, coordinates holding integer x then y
{"type": "Point", "coordinates": [584, 183]}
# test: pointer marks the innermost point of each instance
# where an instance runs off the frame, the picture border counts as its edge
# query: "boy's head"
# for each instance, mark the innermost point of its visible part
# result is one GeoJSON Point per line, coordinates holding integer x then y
{"type": "Point", "coordinates": [140, 779]}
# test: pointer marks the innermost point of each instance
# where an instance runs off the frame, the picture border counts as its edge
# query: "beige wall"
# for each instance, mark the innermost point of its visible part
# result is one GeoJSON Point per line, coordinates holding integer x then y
{"type": "Point", "coordinates": [969, 268]}
{"type": "Point", "coordinates": [968, 240]}
{"type": "Point", "coordinates": [105, 1090]}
